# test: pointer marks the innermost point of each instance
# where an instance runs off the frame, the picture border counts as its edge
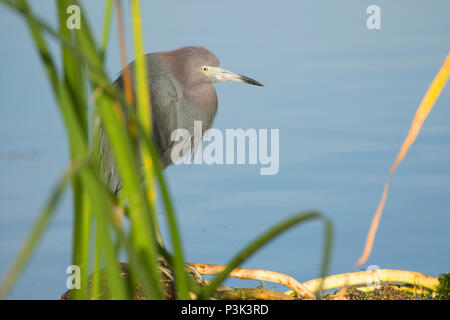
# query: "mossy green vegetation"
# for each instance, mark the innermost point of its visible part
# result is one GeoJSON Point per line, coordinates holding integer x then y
{"type": "Point", "coordinates": [443, 292]}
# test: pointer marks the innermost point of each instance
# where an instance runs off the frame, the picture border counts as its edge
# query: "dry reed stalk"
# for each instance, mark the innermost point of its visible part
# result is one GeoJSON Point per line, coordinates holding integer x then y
{"type": "Point", "coordinates": [422, 112]}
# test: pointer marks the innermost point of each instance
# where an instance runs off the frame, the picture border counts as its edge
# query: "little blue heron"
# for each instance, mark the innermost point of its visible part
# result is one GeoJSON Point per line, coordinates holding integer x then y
{"type": "Point", "coordinates": [182, 91]}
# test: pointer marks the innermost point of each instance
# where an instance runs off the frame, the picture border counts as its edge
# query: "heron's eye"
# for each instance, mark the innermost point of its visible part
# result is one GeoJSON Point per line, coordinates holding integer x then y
{"type": "Point", "coordinates": [204, 69]}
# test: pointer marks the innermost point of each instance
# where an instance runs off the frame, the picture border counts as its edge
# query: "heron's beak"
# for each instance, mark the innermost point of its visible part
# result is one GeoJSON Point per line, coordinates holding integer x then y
{"type": "Point", "coordinates": [223, 75]}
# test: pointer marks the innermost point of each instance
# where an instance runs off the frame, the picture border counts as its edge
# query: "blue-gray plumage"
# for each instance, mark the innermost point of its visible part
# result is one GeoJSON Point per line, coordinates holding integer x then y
{"type": "Point", "coordinates": [182, 91]}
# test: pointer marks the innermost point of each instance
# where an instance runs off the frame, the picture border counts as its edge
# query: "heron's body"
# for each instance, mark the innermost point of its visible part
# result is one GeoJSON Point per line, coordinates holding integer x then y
{"type": "Point", "coordinates": [181, 93]}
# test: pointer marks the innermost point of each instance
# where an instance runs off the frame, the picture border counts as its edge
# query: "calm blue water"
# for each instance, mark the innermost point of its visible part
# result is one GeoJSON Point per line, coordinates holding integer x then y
{"type": "Point", "coordinates": [342, 96]}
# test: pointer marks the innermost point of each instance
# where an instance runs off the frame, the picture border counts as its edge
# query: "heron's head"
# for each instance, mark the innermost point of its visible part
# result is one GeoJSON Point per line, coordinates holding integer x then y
{"type": "Point", "coordinates": [209, 67]}
{"type": "Point", "coordinates": [198, 65]}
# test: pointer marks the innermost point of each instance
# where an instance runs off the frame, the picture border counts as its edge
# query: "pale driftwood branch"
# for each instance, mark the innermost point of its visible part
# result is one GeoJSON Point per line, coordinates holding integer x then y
{"type": "Point", "coordinates": [256, 274]}
{"type": "Point", "coordinates": [381, 275]}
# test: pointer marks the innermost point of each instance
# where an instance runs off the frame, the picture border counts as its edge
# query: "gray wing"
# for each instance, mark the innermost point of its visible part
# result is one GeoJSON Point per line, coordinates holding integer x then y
{"type": "Point", "coordinates": [165, 114]}
{"type": "Point", "coordinates": [165, 119]}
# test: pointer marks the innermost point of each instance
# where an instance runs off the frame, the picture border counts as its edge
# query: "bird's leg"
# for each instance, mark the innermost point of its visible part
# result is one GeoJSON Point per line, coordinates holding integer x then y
{"type": "Point", "coordinates": [165, 268]}
{"type": "Point", "coordinates": [192, 270]}
{"type": "Point", "coordinates": [167, 272]}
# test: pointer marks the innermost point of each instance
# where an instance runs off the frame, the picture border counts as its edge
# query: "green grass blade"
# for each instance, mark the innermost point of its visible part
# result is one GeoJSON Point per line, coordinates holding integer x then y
{"type": "Point", "coordinates": [178, 259]}
{"type": "Point", "coordinates": [73, 72]}
{"type": "Point", "coordinates": [264, 239]}
{"type": "Point", "coordinates": [327, 247]}
{"type": "Point", "coordinates": [106, 25]}
{"type": "Point", "coordinates": [144, 109]}
{"type": "Point", "coordinates": [73, 78]}
{"type": "Point", "coordinates": [144, 117]}
{"type": "Point", "coordinates": [97, 263]}
{"type": "Point", "coordinates": [142, 231]}
{"type": "Point", "coordinates": [99, 198]}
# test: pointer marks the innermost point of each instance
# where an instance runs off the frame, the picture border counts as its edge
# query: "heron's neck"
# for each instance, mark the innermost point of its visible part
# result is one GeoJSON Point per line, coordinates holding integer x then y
{"type": "Point", "coordinates": [202, 96]}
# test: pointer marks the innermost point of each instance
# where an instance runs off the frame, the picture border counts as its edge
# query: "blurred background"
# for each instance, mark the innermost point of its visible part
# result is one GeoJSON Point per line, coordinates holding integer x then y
{"type": "Point", "coordinates": [342, 96]}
